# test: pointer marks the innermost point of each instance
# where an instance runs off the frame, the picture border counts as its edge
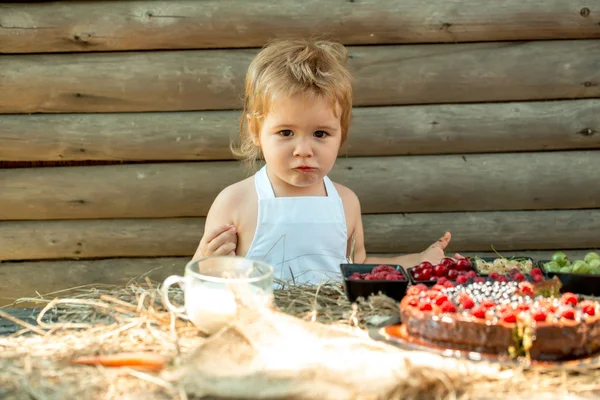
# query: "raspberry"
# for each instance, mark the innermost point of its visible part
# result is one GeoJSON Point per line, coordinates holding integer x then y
{"type": "Point", "coordinates": [416, 289]}
{"type": "Point", "coordinates": [472, 274]}
{"type": "Point", "coordinates": [493, 275]}
{"type": "Point", "coordinates": [519, 277]}
{"type": "Point", "coordinates": [441, 299]}
{"type": "Point", "coordinates": [413, 301]}
{"type": "Point", "coordinates": [502, 278]}
{"type": "Point", "coordinates": [568, 314]}
{"type": "Point", "coordinates": [526, 288]}
{"type": "Point", "coordinates": [354, 277]}
{"type": "Point", "coordinates": [462, 279]}
{"type": "Point", "coordinates": [536, 271]}
{"type": "Point", "coordinates": [449, 284]}
{"type": "Point", "coordinates": [425, 307]}
{"type": "Point", "coordinates": [393, 277]}
{"type": "Point", "coordinates": [569, 298]}
{"type": "Point", "coordinates": [487, 304]}
{"type": "Point", "coordinates": [442, 280]}
{"type": "Point", "coordinates": [509, 317]}
{"type": "Point", "coordinates": [479, 279]}
{"type": "Point", "coordinates": [467, 303]}
{"type": "Point", "coordinates": [540, 315]}
{"type": "Point", "coordinates": [478, 312]}
{"type": "Point", "coordinates": [589, 309]}
{"type": "Point", "coordinates": [537, 278]}
{"type": "Point", "coordinates": [370, 277]}
{"type": "Point", "coordinates": [448, 307]}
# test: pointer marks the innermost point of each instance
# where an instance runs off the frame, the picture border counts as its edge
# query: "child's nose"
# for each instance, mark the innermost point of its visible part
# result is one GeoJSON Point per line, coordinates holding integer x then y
{"type": "Point", "coordinates": [303, 148]}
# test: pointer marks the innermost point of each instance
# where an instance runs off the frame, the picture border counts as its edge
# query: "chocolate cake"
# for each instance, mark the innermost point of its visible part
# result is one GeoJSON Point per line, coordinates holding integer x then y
{"type": "Point", "coordinates": [503, 318]}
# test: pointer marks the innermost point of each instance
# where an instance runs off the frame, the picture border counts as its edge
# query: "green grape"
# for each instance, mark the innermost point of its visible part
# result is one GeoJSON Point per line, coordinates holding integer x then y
{"type": "Point", "coordinates": [552, 266]}
{"type": "Point", "coordinates": [581, 267]}
{"type": "Point", "coordinates": [561, 258]}
{"type": "Point", "coordinates": [591, 256]}
{"type": "Point", "coordinates": [565, 270]}
{"type": "Point", "coordinates": [594, 264]}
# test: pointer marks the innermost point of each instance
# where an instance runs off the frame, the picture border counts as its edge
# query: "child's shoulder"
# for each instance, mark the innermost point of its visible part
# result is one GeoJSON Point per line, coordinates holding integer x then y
{"type": "Point", "coordinates": [349, 198]}
{"type": "Point", "coordinates": [236, 192]}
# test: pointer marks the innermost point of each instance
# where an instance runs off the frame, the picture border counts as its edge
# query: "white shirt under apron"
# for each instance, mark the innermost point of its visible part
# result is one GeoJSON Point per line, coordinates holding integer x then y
{"type": "Point", "coordinates": [303, 238]}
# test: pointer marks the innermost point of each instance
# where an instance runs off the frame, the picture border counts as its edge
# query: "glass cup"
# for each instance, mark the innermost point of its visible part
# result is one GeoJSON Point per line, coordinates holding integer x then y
{"type": "Point", "coordinates": [211, 284]}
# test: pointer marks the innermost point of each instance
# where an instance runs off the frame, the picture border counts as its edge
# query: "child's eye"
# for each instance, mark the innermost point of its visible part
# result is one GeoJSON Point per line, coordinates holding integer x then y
{"type": "Point", "coordinates": [286, 133]}
{"type": "Point", "coordinates": [320, 134]}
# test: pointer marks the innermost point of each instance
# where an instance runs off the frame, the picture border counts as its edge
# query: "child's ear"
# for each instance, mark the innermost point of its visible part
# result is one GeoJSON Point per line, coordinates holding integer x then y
{"type": "Point", "coordinates": [253, 130]}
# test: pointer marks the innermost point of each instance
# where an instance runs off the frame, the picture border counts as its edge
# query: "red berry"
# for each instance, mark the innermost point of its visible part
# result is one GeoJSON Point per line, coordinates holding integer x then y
{"type": "Point", "coordinates": [509, 316]}
{"type": "Point", "coordinates": [370, 277]}
{"type": "Point", "coordinates": [540, 315]}
{"type": "Point", "coordinates": [493, 275]}
{"type": "Point", "coordinates": [479, 279]}
{"type": "Point", "coordinates": [380, 268]}
{"type": "Point", "coordinates": [413, 301]}
{"type": "Point", "coordinates": [442, 280]}
{"type": "Point", "coordinates": [425, 307]}
{"type": "Point", "coordinates": [354, 278]}
{"type": "Point", "coordinates": [452, 274]}
{"type": "Point", "coordinates": [425, 264]}
{"type": "Point", "coordinates": [478, 312]}
{"type": "Point", "coordinates": [537, 278]}
{"type": "Point", "coordinates": [467, 303]}
{"type": "Point", "coordinates": [441, 299]}
{"type": "Point", "coordinates": [568, 313]}
{"type": "Point", "coordinates": [472, 274]}
{"type": "Point", "coordinates": [536, 271]}
{"type": "Point", "coordinates": [449, 284]}
{"type": "Point", "coordinates": [462, 279]}
{"type": "Point", "coordinates": [526, 288]}
{"type": "Point", "coordinates": [417, 276]}
{"type": "Point", "coordinates": [394, 277]}
{"type": "Point", "coordinates": [589, 309]}
{"type": "Point", "coordinates": [448, 307]}
{"type": "Point", "coordinates": [448, 262]}
{"type": "Point", "coordinates": [440, 270]}
{"type": "Point", "coordinates": [502, 278]}
{"type": "Point", "coordinates": [463, 264]}
{"type": "Point", "coordinates": [427, 273]}
{"type": "Point", "coordinates": [569, 298]}
{"type": "Point", "coordinates": [519, 277]}
{"type": "Point", "coordinates": [487, 304]}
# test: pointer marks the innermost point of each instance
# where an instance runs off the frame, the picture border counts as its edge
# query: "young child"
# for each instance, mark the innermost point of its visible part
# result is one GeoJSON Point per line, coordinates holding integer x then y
{"type": "Point", "coordinates": [297, 108]}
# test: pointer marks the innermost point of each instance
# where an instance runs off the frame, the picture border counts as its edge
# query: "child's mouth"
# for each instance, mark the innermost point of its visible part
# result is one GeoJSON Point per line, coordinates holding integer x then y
{"type": "Point", "coordinates": [305, 169]}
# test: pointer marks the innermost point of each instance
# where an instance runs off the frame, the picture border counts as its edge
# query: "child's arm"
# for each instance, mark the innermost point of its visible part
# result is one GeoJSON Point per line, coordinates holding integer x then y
{"type": "Point", "coordinates": [220, 235]}
{"type": "Point", "coordinates": [433, 253]}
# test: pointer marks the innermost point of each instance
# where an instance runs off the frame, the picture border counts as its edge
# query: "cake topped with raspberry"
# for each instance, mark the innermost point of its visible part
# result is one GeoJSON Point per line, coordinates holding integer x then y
{"type": "Point", "coordinates": [503, 317]}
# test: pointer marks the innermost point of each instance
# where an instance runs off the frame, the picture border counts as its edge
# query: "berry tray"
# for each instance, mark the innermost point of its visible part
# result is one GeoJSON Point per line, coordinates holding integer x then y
{"type": "Point", "coordinates": [486, 274]}
{"type": "Point", "coordinates": [585, 284]}
{"type": "Point", "coordinates": [434, 274]}
{"type": "Point", "coordinates": [355, 288]}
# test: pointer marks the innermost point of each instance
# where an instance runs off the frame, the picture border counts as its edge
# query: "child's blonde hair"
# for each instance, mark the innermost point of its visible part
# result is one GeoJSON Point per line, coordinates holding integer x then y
{"type": "Point", "coordinates": [289, 67]}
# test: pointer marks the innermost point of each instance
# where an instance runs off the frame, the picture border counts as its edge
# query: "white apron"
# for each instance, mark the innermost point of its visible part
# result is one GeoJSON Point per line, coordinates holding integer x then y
{"type": "Point", "coordinates": [303, 238]}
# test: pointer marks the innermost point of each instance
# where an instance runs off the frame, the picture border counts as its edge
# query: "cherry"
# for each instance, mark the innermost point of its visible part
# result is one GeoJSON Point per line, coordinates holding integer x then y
{"type": "Point", "coordinates": [418, 276]}
{"type": "Point", "coordinates": [452, 274]}
{"type": "Point", "coordinates": [424, 264]}
{"type": "Point", "coordinates": [448, 262]}
{"type": "Point", "coordinates": [426, 273]}
{"type": "Point", "coordinates": [463, 264]}
{"type": "Point", "coordinates": [440, 270]}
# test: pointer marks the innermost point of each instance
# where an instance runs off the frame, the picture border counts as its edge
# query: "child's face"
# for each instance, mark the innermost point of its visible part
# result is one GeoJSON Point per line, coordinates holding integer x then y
{"type": "Point", "coordinates": [300, 139]}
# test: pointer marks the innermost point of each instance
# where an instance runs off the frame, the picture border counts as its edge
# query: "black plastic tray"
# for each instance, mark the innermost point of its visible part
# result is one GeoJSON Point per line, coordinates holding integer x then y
{"type": "Point", "coordinates": [586, 284]}
{"type": "Point", "coordinates": [361, 288]}
{"type": "Point", "coordinates": [491, 259]}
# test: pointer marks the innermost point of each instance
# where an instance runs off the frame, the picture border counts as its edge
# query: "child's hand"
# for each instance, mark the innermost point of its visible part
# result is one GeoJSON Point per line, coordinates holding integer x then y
{"type": "Point", "coordinates": [435, 252]}
{"type": "Point", "coordinates": [221, 241]}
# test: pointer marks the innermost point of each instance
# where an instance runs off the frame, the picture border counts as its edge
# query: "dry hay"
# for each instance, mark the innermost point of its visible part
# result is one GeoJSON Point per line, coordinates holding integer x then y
{"type": "Point", "coordinates": [34, 362]}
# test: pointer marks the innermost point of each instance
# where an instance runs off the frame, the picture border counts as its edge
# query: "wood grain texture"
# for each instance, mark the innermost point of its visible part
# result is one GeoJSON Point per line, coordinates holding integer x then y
{"type": "Point", "coordinates": [513, 181]}
{"type": "Point", "coordinates": [147, 25]}
{"type": "Point", "coordinates": [384, 233]}
{"type": "Point", "coordinates": [384, 76]}
{"type": "Point", "coordinates": [375, 131]}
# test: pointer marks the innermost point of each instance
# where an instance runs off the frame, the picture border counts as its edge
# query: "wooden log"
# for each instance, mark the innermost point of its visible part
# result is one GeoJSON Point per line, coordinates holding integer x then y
{"type": "Point", "coordinates": [375, 131]}
{"type": "Point", "coordinates": [384, 75]}
{"type": "Point", "coordinates": [384, 233]}
{"type": "Point", "coordinates": [43, 279]}
{"type": "Point", "coordinates": [144, 25]}
{"type": "Point", "coordinates": [479, 182]}
{"type": "Point", "coordinates": [35, 279]}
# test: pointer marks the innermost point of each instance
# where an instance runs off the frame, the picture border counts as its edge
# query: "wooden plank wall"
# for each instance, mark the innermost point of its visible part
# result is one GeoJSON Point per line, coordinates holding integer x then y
{"type": "Point", "coordinates": [115, 119]}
